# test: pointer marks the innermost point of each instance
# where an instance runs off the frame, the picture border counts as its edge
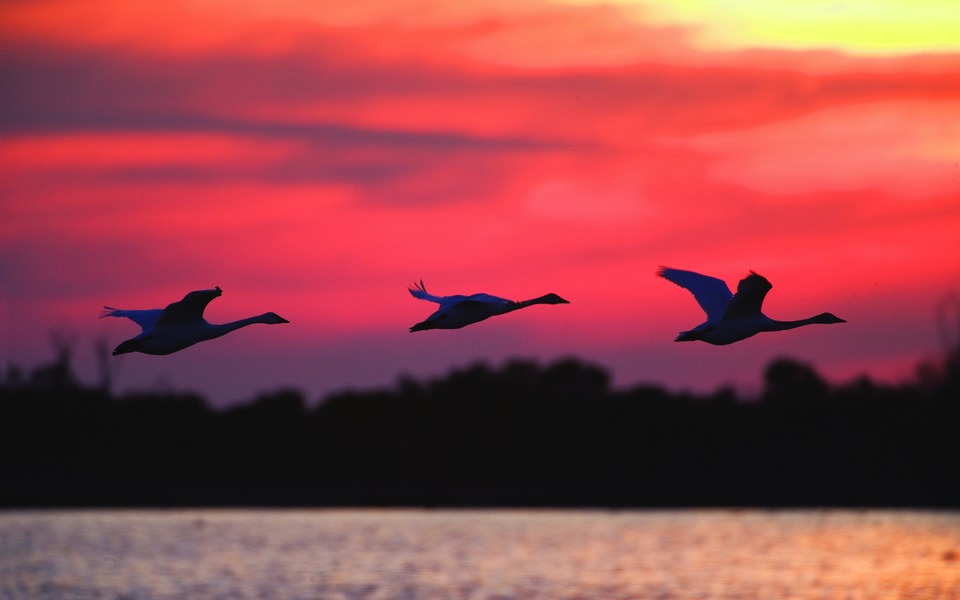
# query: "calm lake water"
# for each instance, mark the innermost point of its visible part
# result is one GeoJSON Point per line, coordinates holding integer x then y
{"type": "Point", "coordinates": [479, 555]}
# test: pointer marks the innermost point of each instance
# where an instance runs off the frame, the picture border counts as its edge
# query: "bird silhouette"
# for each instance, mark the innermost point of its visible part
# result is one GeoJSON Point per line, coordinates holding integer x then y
{"type": "Point", "coordinates": [180, 324]}
{"type": "Point", "coordinates": [732, 317]}
{"type": "Point", "coordinates": [458, 311]}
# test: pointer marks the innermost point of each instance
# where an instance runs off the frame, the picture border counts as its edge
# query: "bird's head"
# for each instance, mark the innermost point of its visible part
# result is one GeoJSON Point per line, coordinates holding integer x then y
{"type": "Point", "coordinates": [828, 318]}
{"type": "Point", "coordinates": [273, 318]}
{"type": "Point", "coordinates": [553, 299]}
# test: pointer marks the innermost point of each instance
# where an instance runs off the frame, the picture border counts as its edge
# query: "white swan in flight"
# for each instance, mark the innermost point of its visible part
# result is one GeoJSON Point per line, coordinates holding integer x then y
{"type": "Point", "coordinates": [732, 317]}
{"type": "Point", "coordinates": [180, 324]}
{"type": "Point", "coordinates": [458, 311]}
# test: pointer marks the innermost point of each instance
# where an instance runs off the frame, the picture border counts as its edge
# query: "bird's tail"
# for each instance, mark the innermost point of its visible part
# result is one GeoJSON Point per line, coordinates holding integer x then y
{"type": "Point", "coordinates": [419, 327]}
{"type": "Point", "coordinates": [418, 290]}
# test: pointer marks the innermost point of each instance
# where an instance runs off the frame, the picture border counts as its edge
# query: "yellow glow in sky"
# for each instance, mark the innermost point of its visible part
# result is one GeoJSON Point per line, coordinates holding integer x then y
{"type": "Point", "coordinates": [860, 26]}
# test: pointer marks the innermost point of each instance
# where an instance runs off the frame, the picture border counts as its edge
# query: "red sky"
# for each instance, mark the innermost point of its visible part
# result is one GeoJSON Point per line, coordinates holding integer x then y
{"type": "Point", "coordinates": [314, 161]}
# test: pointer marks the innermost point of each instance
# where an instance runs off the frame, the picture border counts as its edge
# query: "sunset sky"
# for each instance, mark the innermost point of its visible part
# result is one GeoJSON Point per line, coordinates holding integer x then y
{"type": "Point", "coordinates": [316, 158]}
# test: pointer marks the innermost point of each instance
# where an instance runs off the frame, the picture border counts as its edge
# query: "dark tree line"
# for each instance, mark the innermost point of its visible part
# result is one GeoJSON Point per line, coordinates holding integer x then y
{"type": "Point", "coordinates": [525, 434]}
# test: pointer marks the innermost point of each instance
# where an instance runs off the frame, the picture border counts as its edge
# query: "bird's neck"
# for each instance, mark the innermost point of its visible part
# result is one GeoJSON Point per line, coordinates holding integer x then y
{"type": "Point", "coordinates": [220, 329]}
{"type": "Point", "coordinates": [784, 325]}
{"type": "Point", "coordinates": [530, 302]}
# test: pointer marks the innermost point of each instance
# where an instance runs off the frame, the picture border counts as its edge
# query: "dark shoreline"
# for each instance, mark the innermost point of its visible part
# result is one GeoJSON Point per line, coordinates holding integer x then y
{"type": "Point", "coordinates": [526, 435]}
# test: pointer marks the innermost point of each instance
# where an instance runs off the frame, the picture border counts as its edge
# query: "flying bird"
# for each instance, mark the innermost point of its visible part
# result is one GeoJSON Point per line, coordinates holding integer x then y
{"type": "Point", "coordinates": [180, 324]}
{"type": "Point", "coordinates": [732, 317]}
{"type": "Point", "coordinates": [458, 311]}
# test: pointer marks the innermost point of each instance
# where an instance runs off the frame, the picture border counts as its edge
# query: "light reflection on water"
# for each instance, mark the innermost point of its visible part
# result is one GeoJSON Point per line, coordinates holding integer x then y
{"type": "Point", "coordinates": [479, 555]}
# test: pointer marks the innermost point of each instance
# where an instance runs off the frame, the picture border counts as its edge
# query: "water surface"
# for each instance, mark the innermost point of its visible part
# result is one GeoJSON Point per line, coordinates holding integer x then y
{"type": "Point", "coordinates": [479, 555]}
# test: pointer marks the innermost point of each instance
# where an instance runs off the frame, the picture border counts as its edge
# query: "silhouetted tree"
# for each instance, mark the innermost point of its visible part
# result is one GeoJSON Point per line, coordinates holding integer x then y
{"type": "Point", "coordinates": [57, 375]}
{"type": "Point", "coordinates": [787, 380]}
{"type": "Point", "coordinates": [950, 334]}
{"type": "Point", "coordinates": [105, 364]}
{"type": "Point", "coordinates": [524, 433]}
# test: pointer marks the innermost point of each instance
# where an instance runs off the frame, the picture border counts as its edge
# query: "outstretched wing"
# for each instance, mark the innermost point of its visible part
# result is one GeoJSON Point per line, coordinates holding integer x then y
{"type": "Point", "coordinates": [711, 294]}
{"type": "Point", "coordinates": [146, 319]}
{"type": "Point", "coordinates": [751, 291]}
{"type": "Point", "coordinates": [190, 308]}
{"type": "Point", "coordinates": [460, 314]}
{"type": "Point", "coordinates": [420, 291]}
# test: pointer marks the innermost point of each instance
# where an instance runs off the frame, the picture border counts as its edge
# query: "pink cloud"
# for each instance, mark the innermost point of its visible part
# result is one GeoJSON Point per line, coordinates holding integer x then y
{"type": "Point", "coordinates": [316, 164]}
{"type": "Point", "coordinates": [902, 147]}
